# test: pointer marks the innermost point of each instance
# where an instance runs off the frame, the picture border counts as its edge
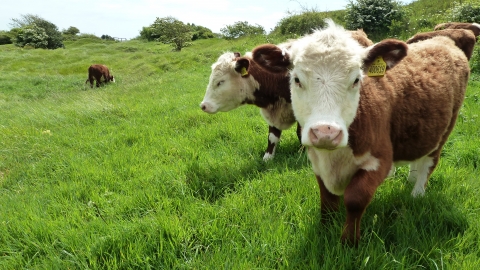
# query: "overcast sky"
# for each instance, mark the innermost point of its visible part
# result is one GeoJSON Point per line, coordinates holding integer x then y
{"type": "Point", "coordinates": [125, 18]}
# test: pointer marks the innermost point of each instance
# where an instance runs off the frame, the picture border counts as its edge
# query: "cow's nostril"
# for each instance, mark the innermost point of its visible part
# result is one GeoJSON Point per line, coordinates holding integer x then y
{"type": "Point", "coordinates": [204, 107]}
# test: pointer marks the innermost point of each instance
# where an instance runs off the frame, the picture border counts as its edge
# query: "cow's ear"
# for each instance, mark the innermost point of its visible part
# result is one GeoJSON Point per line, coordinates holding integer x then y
{"type": "Point", "coordinates": [237, 54]}
{"type": "Point", "coordinates": [241, 66]}
{"type": "Point", "coordinates": [391, 50]}
{"type": "Point", "coordinates": [271, 58]}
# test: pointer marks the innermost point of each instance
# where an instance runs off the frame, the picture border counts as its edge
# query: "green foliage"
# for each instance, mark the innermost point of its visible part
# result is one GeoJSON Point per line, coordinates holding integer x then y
{"type": "Point", "coordinates": [200, 32]}
{"type": "Point", "coordinates": [466, 12]}
{"type": "Point", "coordinates": [475, 60]}
{"type": "Point", "coordinates": [72, 31]}
{"type": "Point", "coordinates": [241, 29]}
{"type": "Point", "coordinates": [375, 17]}
{"type": "Point", "coordinates": [5, 38]}
{"type": "Point", "coordinates": [32, 36]}
{"type": "Point", "coordinates": [301, 24]}
{"type": "Point", "coordinates": [107, 37]}
{"type": "Point", "coordinates": [172, 31]}
{"type": "Point", "coordinates": [54, 36]}
{"type": "Point", "coordinates": [148, 33]}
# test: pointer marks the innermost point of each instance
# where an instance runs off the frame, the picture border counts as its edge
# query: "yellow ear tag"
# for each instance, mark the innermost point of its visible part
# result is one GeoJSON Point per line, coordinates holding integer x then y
{"type": "Point", "coordinates": [244, 71]}
{"type": "Point", "coordinates": [378, 68]}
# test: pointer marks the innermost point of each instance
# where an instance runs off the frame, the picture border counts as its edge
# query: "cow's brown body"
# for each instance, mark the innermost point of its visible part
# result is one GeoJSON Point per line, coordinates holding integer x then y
{"type": "Point", "coordinates": [357, 130]}
{"type": "Point", "coordinates": [464, 39]}
{"type": "Point", "coordinates": [474, 27]}
{"type": "Point", "coordinates": [96, 72]}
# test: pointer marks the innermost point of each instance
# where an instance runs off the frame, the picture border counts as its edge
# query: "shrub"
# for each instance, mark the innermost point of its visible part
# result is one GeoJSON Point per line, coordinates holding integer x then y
{"type": "Point", "coordinates": [172, 31]}
{"type": "Point", "coordinates": [32, 35]}
{"type": "Point", "coordinates": [466, 12]}
{"type": "Point", "coordinates": [375, 17]}
{"type": "Point", "coordinates": [301, 24]}
{"type": "Point", "coordinates": [240, 29]}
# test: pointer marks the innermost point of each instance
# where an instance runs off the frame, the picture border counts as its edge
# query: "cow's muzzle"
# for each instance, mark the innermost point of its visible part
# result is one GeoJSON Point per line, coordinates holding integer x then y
{"type": "Point", "coordinates": [325, 136]}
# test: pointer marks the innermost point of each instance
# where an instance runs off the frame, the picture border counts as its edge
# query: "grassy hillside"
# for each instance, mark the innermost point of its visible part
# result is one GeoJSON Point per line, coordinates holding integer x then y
{"type": "Point", "coordinates": [133, 175]}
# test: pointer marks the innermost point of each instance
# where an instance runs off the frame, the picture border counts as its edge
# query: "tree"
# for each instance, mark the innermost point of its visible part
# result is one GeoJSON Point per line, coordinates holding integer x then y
{"type": "Point", "coordinates": [172, 31]}
{"type": "Point", "coordinates": [466, 12]}
{"type": "Point", "coordinates": [54, 37]}
{"type": "Point", "coordinates": [107, 37]}
{"type": "Point", "coordinates": [148, 34]}
{"type": "Point", "coordinates": [301, 24]}
{"type": "Point", "coordinates": [5, 38]}
{"type": "Point", "coordinates": [240, 29]}
{"type": "Point", "coordinates": [374, 16]}
{"type": "Point", "coordinates": [200, 32]}
{"type": "Point", "coordinates": [32, 35]}
{"type": "Point", "coordinates": [72, 31]}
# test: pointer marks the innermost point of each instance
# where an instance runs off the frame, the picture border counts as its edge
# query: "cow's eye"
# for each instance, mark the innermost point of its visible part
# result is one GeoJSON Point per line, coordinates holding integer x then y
{"type": "Point", "coordinates": [356, 82]}
{"type": "Point", "coordinates": [297, 81]}
{"type": "Point", "coordinates": [220, 83]}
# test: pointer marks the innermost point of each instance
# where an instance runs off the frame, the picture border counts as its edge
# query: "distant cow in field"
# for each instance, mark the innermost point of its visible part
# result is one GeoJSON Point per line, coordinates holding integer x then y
{"type": "Point", "coordinates": [237, 80]}
{"type": "Point", "coordinates": [474, 27]}
{"type": "Point", "coordinates": [96, 72]}
{"type": "Point", "coordinates": [464, 39]}
{"type": "Point", "coordinates": [357, 127]}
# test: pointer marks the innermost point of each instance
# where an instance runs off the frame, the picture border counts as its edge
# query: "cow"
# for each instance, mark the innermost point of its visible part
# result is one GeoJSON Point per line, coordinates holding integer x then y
{"type": "Point", "coordinates": [356, 128]}
{"type": "Point", "coordinates": [463, 38]}
{"type": "Point", "coordinates": [236, 80]}
{"type": "Point", "coordinates": [474, 27]}
{"type": "Point", "coordinates": [96, 72]}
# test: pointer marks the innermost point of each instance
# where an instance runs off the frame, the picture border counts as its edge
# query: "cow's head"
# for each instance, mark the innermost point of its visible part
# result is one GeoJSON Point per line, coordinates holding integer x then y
{"type": "Point", "coordinates": [326, 72]}
{"type": "Point", "coordinates": [228, 87]}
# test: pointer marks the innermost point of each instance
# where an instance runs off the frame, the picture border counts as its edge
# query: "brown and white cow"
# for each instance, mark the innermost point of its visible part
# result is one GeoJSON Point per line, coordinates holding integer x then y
{"type": "Point", "coordinates": [237, 80]}
{"type": "Point", "coordinates": [96, 72]}
{"type": "Point", "coordinates": [356, 127]}
{"type": "Point", "coordinates": [474, 27]}
{"type": "Point", "coordinates": [464, 39]}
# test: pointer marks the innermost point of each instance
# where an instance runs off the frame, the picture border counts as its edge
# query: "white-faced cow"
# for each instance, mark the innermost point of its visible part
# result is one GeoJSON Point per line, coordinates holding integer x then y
{"type": "Point", "coordinates": [356, 127]}
{"type": "Point", "coordinates": [96, 72]}
{"type": "Point", "coordinates": [237, 80]}
{"type": "Point", "coordinates": [474, 27]}
{"type": "Point", "coordinates": [463, 38]}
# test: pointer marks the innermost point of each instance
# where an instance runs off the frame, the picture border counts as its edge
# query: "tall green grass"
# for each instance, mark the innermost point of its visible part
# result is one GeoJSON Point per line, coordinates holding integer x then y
{"type": "Point", "coordinates": [133, 175]}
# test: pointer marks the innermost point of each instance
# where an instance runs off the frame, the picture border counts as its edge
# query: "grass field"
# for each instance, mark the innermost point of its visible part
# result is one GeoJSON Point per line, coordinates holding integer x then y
{"type": "Point", "coordinates": [133, 175]}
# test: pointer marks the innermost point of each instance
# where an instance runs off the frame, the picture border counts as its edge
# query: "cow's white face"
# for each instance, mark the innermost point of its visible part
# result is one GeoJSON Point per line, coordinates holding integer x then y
{"type": "Point", "coordinates": [325, 86]}
{"type": "Point", "coordinates": [226, 89]}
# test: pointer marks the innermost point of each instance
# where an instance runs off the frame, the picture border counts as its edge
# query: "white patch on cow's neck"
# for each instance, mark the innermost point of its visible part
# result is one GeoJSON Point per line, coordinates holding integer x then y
{"type": "Point", "coordinates": [279, 115]}
{"type": "Point", "coordinates": [336, 168]}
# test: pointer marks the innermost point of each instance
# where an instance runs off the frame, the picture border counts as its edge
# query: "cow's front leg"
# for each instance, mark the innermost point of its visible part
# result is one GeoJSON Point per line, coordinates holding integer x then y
{"type": "Point", "coordinates": [357, 197]}
{"type": "Point", "coordinates": [273, 139]}
{"type": "Point", "coordinates": [328, 202]}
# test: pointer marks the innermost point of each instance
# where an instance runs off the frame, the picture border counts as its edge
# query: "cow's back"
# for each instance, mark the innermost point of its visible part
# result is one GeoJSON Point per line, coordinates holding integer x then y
{"type": "Point", "coordinates": [422, 84]}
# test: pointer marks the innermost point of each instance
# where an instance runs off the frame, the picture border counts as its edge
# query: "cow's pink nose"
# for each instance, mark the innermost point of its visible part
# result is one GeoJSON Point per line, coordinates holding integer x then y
{"type": "Point", "coordinates": [325, 136]}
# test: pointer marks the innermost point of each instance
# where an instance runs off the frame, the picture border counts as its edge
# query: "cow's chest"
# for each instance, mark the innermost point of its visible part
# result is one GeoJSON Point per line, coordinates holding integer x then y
{"type": "Point", "coordinates": [336, 168]}
{"type": "Point", "coordinates": [279, 114]}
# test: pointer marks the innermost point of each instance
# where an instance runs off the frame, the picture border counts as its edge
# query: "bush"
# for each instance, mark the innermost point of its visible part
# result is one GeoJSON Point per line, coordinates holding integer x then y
{"type": "Point", "coordinates": [241, 29]}
{"type": "Point", "coordinates": [5, 38]}
{"type": "Point", "coordinates": [54, 37]}
{"type": "Point", "coordinates": [301, 24]}
{"type": "Point", "coordinates": [375, 17]}
{"type": "Point", "coordinates": [33, 36]}
{"type": "Point", "coordinates": [466, 12]}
